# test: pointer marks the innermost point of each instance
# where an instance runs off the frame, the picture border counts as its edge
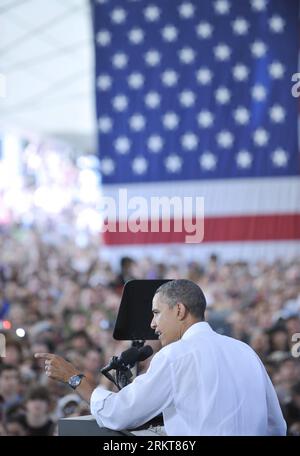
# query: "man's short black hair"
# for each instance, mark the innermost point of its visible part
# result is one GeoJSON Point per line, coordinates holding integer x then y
{"type": "Point", "coordinates": [126, 261]}
{"type": "Point", "coordinates": [184, 291]}
{"type": "Point", "coordinates": [39, 393]}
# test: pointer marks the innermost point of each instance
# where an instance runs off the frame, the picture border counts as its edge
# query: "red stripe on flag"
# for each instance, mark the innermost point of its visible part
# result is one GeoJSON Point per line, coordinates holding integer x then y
{"type": "Point", "coordinates": [216, 229]}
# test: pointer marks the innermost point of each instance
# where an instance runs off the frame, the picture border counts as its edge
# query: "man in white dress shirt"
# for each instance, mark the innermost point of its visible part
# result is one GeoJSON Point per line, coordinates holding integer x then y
{"type": "Point", "coordinates": [203, 383]}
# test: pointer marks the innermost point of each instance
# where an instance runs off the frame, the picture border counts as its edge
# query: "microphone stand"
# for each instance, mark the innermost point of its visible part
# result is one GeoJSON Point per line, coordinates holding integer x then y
{"type": "Point", "coordinates": [123, 373]}
{"type": "Point", "coordinates": [137, 344]}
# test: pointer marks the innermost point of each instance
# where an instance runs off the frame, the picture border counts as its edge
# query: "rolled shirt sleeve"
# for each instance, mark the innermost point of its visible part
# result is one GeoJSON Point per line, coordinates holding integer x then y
{"type": "Point", "coordinates": [138, 402]}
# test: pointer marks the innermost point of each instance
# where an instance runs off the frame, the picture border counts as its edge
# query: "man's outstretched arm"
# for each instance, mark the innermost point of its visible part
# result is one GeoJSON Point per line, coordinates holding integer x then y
{"type": "Point", "coordinates": [147, 396]}
{"type": "Point", "coordinates": [59, 369]}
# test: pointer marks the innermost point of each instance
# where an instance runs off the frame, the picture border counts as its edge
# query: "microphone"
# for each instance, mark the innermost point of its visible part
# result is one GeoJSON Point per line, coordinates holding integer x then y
{"type": "Point", "coordinates": [145, 352]}
{"type": "Point", "coordinates": [123, 363]}
{"type": "Point", "coordinates": [129, 357]}
{"type": "Point", "coordinates": [126, 358]}
{"type": "Point", "coordinates": [134, 355]}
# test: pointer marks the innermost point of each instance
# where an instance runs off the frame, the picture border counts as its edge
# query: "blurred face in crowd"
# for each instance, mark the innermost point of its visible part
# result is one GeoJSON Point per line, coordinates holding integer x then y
{"type": "Point", "coordinates": [17, 315]}
{"type": "Point", "coordinates": [295, 429]}
{"type": "Point", "coordinates": [260, 342]}
{"type": "Point", "coordinates": [12, 355]}
{"type": "Point", "coordinates": [293, 325]}
{"type": "Point", "coordinates": [37, 408]}
{"type": "Point", "coordinates": [78, 322]}
{"type": "Point", "coordinates": [289, 371]}
{"type": "Point", "coordinates": [79, 343]}
{"type": "Point", "coordinates": [9, 382]}
{"type": "Point", "coordinates": [70, 409]}
{"type": "Point", "coordinates": [279, 340]}
{"type": "Point", "coordinates": [92, 361]}
{"type": "Point", "coordinates": [166, 322]}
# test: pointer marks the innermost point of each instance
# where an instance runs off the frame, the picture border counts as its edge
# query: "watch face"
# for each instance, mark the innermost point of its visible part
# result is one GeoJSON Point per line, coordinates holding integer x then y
{"type": "Point", "coordinates": [75, 381]}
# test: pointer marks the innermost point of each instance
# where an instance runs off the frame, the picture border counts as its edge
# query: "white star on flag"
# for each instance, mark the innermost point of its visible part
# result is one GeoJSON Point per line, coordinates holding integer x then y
{"type": "Point", "coordinates": [240, 72]}
{"type": "Point", "coordinates": [152, 100]}
{"type": "Point", "coordinates": [122, 145]}
{"type": "Point", "coordinates": [241, 115]}
{"type": "Point", "coordinates": [240, 26]}
{"type": "Point", "coordinates": [222, 52]}
{"type": "Point", "coordinates": [120, 103]}
{"type": "Point", "coordinates": [173, 163]}
{"type": "Point", "coordinates": [277, 113]}
{"type": "Point", "coordinates": [139, 165]}
{"type": "Point", "coordinates": [258, 5]}
{"type": "Point", "coordinates": [225, 139]}
{"type": "Point", "coordinates": [137, 122]}
{"type": "Point", "coordinates": [186, 10]}
{"type": "Point", "coordinates": [107, 166]}
{"type": "Point", "coordinates": [258, 49]}
{"type": "Point", "coordinates": [276, 24]}
{"type": "Point", "coordinates": [104, 82]}
{"type": "Point", "coordinates": [118, 15]}
{"type": "Point", "coordinates": [204, 30]}
{"type": "Point", "coordinates": [187, 55]}
{"type": "Point", "coordinates": [187, 98]}
{"type": "Point", "coordinates": [189, 141]}
{"type": "Point", "coordinates": [244, 159]}
{"type": "Point", "coordinates": [120, 60]}
{"type": "Point", "coordinates": [222, 95]}
{"type": "Point", "coordinates": [208, 161]}
{"type": "Point", "coordinates": [169, 78]}
{"type": "Point", "coordinates": [169, 33]}
{"type": "Point", "coordinates": [152, 13]}
{"type": "Point", "coordinates": [276, 70]}
{"type": "Point", "coordinates": [222, 6]}
{"type": "Point", "coordinates": [279, 158]}
{"type": "Point", "coordinates": [136, 80]}
{"type": "Point", "coordinates": [259, 92]}
{"type": "Point", "coordinates": [105, 124]}
{"type": "Point", "coordinates": [152, 57]}
{"type": "Point", "coordinates": [204, 76]}
{"type": "Point", "coordinates": [155, 143]}
{"type": "Point", "coordinates": [261, 137]}
{"type": "Point", "coordinates": [136, 36]}
{"type": "Point", "coordinates": [170, 120]}
{"type": "Point", "coordinates": [205, 119]}
{"type": "Point", "coordinates": [103, 38]}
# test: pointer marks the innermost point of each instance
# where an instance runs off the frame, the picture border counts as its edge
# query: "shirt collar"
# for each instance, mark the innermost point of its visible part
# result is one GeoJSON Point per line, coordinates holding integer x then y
{"type": "Point", "coordinates": [196, 328]}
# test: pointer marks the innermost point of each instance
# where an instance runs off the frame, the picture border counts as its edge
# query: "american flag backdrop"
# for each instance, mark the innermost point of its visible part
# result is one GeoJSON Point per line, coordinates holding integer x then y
{"type": "Point", "coordinates": [194, 98]}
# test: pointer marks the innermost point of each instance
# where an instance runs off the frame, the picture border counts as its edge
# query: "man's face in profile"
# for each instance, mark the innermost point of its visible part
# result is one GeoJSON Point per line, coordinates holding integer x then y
{"type": "Point", "coordinates": [165, 322]}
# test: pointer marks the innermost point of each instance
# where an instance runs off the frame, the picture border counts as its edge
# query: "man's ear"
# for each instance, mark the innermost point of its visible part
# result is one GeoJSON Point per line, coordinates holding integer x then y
{"type": "Point", "coordinates": [181, 311]}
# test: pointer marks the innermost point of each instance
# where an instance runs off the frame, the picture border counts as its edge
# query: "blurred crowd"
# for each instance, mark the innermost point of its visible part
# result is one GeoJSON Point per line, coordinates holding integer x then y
{"type": "Point", "coordinates": [58, 292]}
{"type": "Point", "coordinates": [57, 295]}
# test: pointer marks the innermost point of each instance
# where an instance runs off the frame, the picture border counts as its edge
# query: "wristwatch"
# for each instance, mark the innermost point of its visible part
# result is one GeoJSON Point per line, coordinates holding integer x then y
{"type": "Point", "coordinates": [75, 380]}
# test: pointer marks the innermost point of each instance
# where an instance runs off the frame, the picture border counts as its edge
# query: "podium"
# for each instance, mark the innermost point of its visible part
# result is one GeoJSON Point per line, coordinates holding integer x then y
{"type": "Point", "coordinates": [87, 426]}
